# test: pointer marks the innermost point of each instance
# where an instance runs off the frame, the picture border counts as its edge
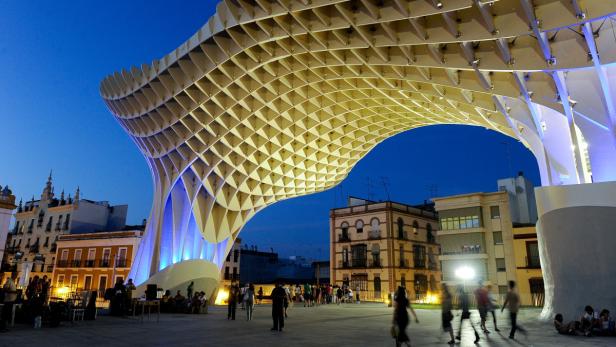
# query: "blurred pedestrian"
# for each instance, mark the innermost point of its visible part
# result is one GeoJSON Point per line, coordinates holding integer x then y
{"type": "Point", "coordinates": [446, 314]}
{"type": "Point", "coordinates": [464, 304]}
{"type": "Point", "coordinates": [512, 302]}
{"type": "Point", "coordinates": [401, 317]}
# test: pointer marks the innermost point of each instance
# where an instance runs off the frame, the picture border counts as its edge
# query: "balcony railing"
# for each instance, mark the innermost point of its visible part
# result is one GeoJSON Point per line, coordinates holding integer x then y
{"type": "Point", "coordinates": [375, 263]}
{"type": "Point", "coordinates": [374, 235]}
{"type": "Point", "coordinates": [419, 263]}
{"type": "Point", "coordinates": [465, 250]}
{"type": "Point", "coordinates": [62, 263]}
{"type": "Point", "coordinates": [89, 263]}
{"type": "Point", "coordinates": [343, 238]}
{"type": "Point", "coordinates": [121, 263]}
{"type": "Point", "coordinates": [93, 263]}
{"type": "Point", "coordinates": [34, 248]}
{"type": "Point", "coordinates": [359, 263]}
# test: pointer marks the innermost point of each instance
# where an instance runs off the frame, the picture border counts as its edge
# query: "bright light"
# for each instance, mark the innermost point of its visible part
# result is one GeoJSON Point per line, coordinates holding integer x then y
{"type": "Point", "coordinates": [221, 297]}
{"type": "Point", "coordinates": [63, 290]}
{"type": "Point", "coordinates": [432, 298]}
{"type": "Point", "coordinates": [465, 273]}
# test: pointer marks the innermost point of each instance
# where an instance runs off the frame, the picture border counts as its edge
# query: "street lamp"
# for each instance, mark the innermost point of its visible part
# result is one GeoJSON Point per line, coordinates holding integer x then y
{"type": "Point", "coordinates": [465, 273]}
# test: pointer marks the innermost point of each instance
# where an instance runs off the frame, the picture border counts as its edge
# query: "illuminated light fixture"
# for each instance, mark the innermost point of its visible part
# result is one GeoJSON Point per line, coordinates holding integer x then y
{"type": "Point", "coordinates": [465, 273]}
{"type": "Point", "coordinates": [222, 297]}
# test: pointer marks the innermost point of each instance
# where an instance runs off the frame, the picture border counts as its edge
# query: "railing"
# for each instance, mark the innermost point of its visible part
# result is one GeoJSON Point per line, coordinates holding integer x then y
{"type": "Point", "coordinates": [375, 263]}
{"type": "Point", "coordinates": [121, 263]}
{"type": "Point", "coordinates": [76, 263]}
{"type": "Point", "coordinates": [404, 263]}
{"type": "Point", "coordinates": [344, 238]}
{"type": "Point", "coordinates": [374, 235]}
{"type": "Point", "coordinates": [62, 263]}
{"type": "Point", "coordinates": [359, 263]}
{"type": "Point", "coordinates": [90, 263]}
{"type": "Point", "coordinates": [432, 266]}
{"type": "Point", "coordinates": [34, 248]}
{"type": "Point", "coordinates": [419, 263]}
{"type": "Point", "coordinates": [465, 250]}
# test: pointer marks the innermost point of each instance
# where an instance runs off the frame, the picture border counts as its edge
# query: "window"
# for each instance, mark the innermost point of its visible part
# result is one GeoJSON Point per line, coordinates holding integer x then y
{"type": "Point", "coordinates": [500, 265]}
{"type": "Point", "coordinates": [358, 255]}
{"type": "Point", "coordinates": [419, 256]}
{"type": "Point", "coordinates": [376, 255]}
{"type": "Point", "coordinates": [77, 257]}
{"type": "Point", "coordinates": [102, 285]}
{"type": "Point", "coordinates": [119, 278]}
{"type": "Point", "coordinates": [460, 222]}
{"type": "Point", "coordinates": [64, 256]}
{"type": "Point", "coordinates": [377, 285]}
{"type": "Point", "coordinates": [502, 290]}
{"type": "Point", "coordinates": [73, 283]}
{"type": "Point", "coordinates": [498, 237]}
{"type": "Point", "coordinates": [494, 212]}
{"type": "Point", "coordinates": [345, 231]}
{"type": "Point", "coordinates": [532, 255]}
{"type": "Point", "coordinates": [227, 273]}
{"type": "Point", "coordinates": [122, 257]}
{"type": "Point", "coordinates": [402, 262]}
{"type": "Point", "coordinates": [91, 257]}
{"type": "Point", "coordinates": [375, 226]}
{"type": "Point", "coordinates": [400, 228]}
{"type": "Point", "coordinates": [236, 256]}
{"type": "Point", "coordinates": [359, 226]}
{"type": "Point", "coordinates": [106, 256]}
{"type": "Point", "coordinates": [359, 280]}
{"type": "Point", "coordinates": [229, 256]}
{"type": "Point", "coordinates": [429, 235]}
{"type": "Point", "coordinates": [403, 281]}
{"type": "Point", "coordinates": [87, 282]}
{"type": "Point", "coordinates": [345, 257]}
{"type": "Point", "coordinates": [415, 227]}
{"type": "Point", "coordinates": [60, 281]}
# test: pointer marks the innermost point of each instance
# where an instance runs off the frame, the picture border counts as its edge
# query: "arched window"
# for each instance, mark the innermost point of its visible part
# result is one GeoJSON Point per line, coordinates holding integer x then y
{"type": "Point", "coordinates": [375, 231]}
{"type": "Point", "coordinates": [359, 226]}
{"type": "Point", "coordinates": [415, 227]}
{"type": "Point", "coordinates": [429, 234]}
{"type": "Point", "coordinates": [400, 228]}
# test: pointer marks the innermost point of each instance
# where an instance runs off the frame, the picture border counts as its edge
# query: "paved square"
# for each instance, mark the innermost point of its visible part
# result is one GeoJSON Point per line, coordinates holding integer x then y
{"type": "Point", "coordinates": [329, 325]}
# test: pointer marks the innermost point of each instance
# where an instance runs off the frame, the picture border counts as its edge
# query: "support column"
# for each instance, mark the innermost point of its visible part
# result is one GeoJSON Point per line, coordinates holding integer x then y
{"type": "Point", "coordinates": [576, 245]}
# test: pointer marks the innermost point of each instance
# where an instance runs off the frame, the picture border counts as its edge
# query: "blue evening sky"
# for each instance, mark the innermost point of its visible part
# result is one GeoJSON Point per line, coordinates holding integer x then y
{"type": "Point", "coordinates": [55, 53]}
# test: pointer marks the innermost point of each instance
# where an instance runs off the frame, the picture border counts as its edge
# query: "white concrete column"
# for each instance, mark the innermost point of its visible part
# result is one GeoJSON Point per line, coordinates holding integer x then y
{"type": "Point", "coordinates": [576, 234]}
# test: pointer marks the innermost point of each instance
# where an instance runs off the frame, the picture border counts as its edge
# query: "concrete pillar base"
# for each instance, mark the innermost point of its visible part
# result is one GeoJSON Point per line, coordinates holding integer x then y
{"type": "Point", "coordinates": [577, 239]}
{"type": "Point", "coordinates": [178, 276]}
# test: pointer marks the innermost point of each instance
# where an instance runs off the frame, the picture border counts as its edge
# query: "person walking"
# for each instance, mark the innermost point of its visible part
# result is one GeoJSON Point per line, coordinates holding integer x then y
{"type": "Point", "coordinates": [492, 306]}
{"type": "Point", "coordinates": [338, 296]}
{"type": "Point", "coordinates": [249, 299]}
{"type": "Point", "coordinates": [481, 297]}
{"type": "Point", "coordinates": [446, 314]}
{"type": "Point", "coordinates": [401, 317]}
{"type": "Point", "coordinates": [10, 295]}
{"type": "Point", "coordinates": [357, 291]}
{"type": "Point", "coordinates": [260, 295]}
{"type": "Point", "coordinates": [466, 313]}
{"type": "Point", "coordinates": [512, 302]}
{"type": "Point", "coordinates": [278, 297]}
{"type": "Point", "coordinates": [234, 292]}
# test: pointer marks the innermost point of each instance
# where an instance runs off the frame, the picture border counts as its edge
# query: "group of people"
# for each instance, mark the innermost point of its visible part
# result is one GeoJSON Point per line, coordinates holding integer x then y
{"type": "Point", "coordinates": [178, 303]}
{"type": "Point", "coordinates": [590, 323]}
{"type": "Point", "coordinates": [35, 300]}
{"type": "Point", "coordinates": [245, 296]}
{"type": "Point", "coordinates": [485, 304]}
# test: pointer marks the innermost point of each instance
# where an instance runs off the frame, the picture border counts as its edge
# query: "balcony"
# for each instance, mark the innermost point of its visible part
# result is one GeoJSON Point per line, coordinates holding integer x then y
{"type": "Point", "coordinates": [121, 262]}
{"type": "Point", "coordinates": [48, 227]}
{"type": "Point", "coordinates": [359, 263]}
{"type": "Point", "coordinates": [54, 246]}
{"type": "Point", "coordinates": [62, 263]}
{"type": "Point", "coordinates": [75, 263]}
{"type": "Point", "coordinates": [104, 263]}
{"type": "Point", "coordinates": [11, 250]}
{"type": "Point", "coordinates": [30, 229]}
{"type": "Point", "coordinates": [89, 263]}
{"type": "Point", "coordinates": [419, 263]}
{"type": "Point", "coordinates": [344, 238]}
{"type": "Point", "coordinates": [432, 266]}
{"type": "Point", "coordinates": [403, 263]}
{"type": "Point", "coordinates": [34, 248]}
{"type": "Point", "coordinates": [344, 265]}
{"type": "Point", "coordinates": [375, 263]}
{"type": "Point", "coordinates": [58, 226]}
{"type": "Point", "coordinates": [374, 235]}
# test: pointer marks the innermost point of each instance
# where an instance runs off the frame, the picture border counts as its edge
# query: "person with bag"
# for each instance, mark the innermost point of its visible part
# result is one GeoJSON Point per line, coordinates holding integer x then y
{"type": "Point", "coordinates": [446, 315]}
{"type": "Point", "coordinates": [401, 318]}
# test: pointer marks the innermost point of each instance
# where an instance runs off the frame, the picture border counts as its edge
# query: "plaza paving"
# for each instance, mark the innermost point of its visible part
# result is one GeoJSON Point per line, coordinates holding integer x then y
{"type": "Point", "coordinates": [329, 325]}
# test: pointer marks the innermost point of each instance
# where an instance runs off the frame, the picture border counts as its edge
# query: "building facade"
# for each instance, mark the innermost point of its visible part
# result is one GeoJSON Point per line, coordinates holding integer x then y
{"type": "Point", "coordinates": [7, 206]}
{"type": "Point", "coordinates": [528, 265]}
{"type": "Point", "coordinates": [378, 246]}
{"type": "Point", "coordinates": [31, 245]}
{"type": "Point", "coordinates": [231, 268]}
{"type": "Point", "coordinates": [476, 238]}
{"type": "Point", "coordinates": [522, 204]}
{"type": "Point", "coordinates": [94, 261]}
